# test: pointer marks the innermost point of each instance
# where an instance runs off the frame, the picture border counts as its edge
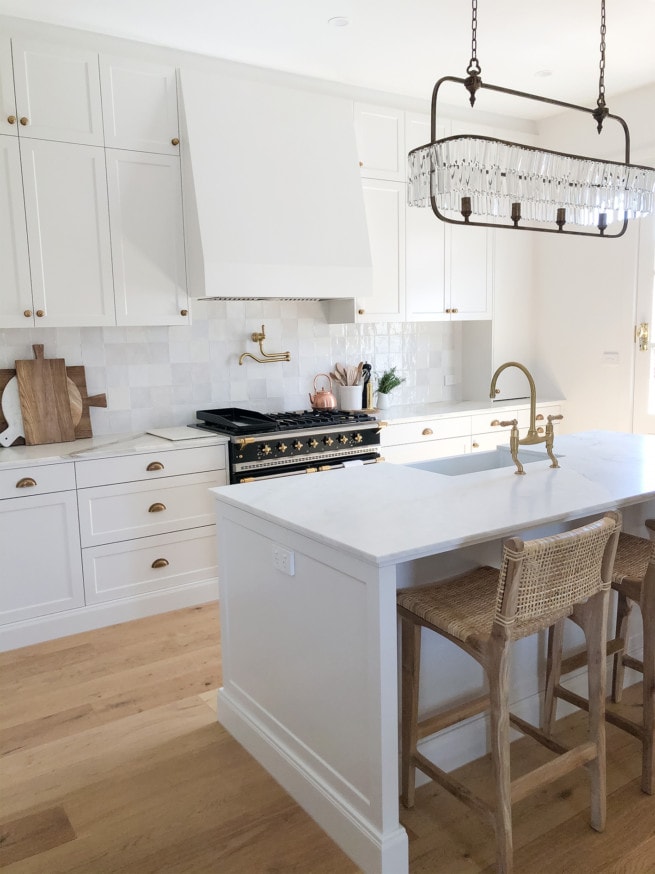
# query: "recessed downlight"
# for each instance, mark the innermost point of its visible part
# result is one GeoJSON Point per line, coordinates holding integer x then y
{"type": "Point", "coordinates": [543, 74]}
{"type": "Point", "coordinates": [339, 21]}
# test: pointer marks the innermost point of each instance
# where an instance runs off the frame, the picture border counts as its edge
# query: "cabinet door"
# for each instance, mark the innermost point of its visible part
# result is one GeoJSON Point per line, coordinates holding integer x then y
{"type": "Point", "coordinates": [41, 561]}
{"type": "Point", "coordinates": [16, 288]}
{"type": "Point", "coordinates": [145, 204]}
{"type": "Point", "coordinates": [380, 142]}
{"type": "Point", "coordinates": [139, 105]}
{"type": "Point", "coordinates": [384, 203]}
{"type": "Point", "coordinates": [68, 232]}
{"type": "Point", "coordinates": [425, 271]}
{"type": "Point", "coordinates": [57, 92]}
{"type": "Point", "coordinates": [8, 120]}
{"type": "Point", "coordinates": [469, 271]}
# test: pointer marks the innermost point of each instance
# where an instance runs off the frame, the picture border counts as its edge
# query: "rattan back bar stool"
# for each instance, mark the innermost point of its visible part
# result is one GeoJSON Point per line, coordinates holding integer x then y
{"type": "Point", "coordinates": [634, 582]}
{"type": "Point", "coordinates": [483, 612]}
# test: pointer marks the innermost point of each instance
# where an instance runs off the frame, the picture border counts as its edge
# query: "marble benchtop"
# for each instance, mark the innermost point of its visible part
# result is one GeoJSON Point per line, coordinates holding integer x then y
{"type": "Point", "coordinates": [387, 513]}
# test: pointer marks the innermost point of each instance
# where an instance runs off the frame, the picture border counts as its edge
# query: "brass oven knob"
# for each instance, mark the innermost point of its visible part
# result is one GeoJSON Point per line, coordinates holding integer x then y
{"type": "Point", "coordinates": [343, 439]}
{"type": "Point", "coordinates": [11, 119]}
{"type": "Point", "coordinates": [266, 449]}
{"type": "Point", "coordinates": [155, 465]}
{"type": "Point", "coordinates": [313, 443]}
{"type": "Point", "coordinates": [357, 438]}
{"type": "Point", "coordinates": [282, 447]}
{"type": "Point", "coordinates": [328, 441]}
{"type": "Point", "coordinates": [175, 141]}
{"type": "Point", "coordinates": [297, 445]}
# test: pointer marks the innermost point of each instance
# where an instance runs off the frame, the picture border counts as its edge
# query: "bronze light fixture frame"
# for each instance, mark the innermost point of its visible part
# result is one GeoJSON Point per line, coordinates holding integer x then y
{"type": "Point", "coordinates": [516, 217]}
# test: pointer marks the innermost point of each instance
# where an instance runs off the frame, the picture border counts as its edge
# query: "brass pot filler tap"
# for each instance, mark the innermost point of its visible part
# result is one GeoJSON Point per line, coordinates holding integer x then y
{"type": "Point", "coordinates": [532, 437]}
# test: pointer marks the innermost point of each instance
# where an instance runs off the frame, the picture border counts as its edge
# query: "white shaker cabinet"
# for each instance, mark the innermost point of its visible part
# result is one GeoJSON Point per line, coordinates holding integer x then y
{"type": "Point", "coordinates": [147, 236]}
{"type": "Point", "coordinates": [469, 272]}
{"type": "Point", "coordinates": [8, 119]}
{"type": "Point", "coordinates": [380, 142]}
{"type": "Point", "coordinates": [16, 307]}
{"type": "Point", "coordinates": [384, 203]}
{"type": "Point", "coordinates": [39, 542]}
{"type": "Point", "coordinates": [139, 104]}
{"type": "Point", "coordinates": [68, 233]}
{"type": "Point", "coordinates": [57, 92]}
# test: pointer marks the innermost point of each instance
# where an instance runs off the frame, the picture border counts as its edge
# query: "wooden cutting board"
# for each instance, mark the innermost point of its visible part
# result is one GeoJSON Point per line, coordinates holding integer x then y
{"type": "Point", "coordinates": [77, 376]}
{"type": "Point", "coordinates": [43, 390]}
{"type": "Point", "coordinates": [5, 376]}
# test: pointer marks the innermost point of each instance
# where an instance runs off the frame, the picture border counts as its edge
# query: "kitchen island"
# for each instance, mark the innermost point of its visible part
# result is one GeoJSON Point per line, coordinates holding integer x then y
{"type": "Point", "coordinates": [308, 571]}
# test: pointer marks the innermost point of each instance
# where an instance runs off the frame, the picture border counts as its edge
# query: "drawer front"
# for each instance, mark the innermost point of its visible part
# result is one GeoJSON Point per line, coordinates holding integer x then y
{"type": "Point", "coordinates": [151, 564]}
{"type": "Point", "coordinates": [541, 419]}
{"type": "Point", "coordinates": [490, 422]}
{"type": "Point", "coordinates": [425, 451]}
{"type": "Point", "coordinates": [149, 465]}
{"type": "Point", "coordinates": [20, 482]}
{"type": "Point", "coordinates": [109, 514]}
{"type": "Point", "coordinates": [426, 430]}
{"type": "Point", "coordinates": [485, 442]}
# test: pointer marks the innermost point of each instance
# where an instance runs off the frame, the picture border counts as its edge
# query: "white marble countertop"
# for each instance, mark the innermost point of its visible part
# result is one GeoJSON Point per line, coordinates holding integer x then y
{"type": "Point", "coordinates": [107, 446]}
{"type": "Point", "coordinates": [387, 513]}
{"type": "Point", "coordinates": [417, 412]}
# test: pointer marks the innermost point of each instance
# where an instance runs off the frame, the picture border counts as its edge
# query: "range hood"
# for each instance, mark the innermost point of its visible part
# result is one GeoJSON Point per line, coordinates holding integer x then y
{"type": "Point", "coordinates": [273, 197]}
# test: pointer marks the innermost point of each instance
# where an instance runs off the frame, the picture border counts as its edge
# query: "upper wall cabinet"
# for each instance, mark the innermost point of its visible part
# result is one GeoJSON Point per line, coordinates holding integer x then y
{"type": "Point", "coordinates": [380, 136]}
{"type": "Point", "coordinates": [139, 104]}
{"type": "Point", "coordinates": [8, 119]}
{"type": "Point", "coordinates": [57, 93]}
{"type": "Point", "coordinates": [16, 306]}
{"type": "Point", "coordinates": [384, 202]}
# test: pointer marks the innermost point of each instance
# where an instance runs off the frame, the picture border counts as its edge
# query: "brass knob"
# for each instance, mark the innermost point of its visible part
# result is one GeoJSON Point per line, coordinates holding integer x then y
{"type": "Point", "coordinates": [25, 483]}
{"type": "Point", "coordinates": [539, 418]}
{"type": "Point", "coordinates": [497, 391]}
{"type": "Point", "coordinates": [159, 562]}
{"type": "Point", "coordinates": [156, 507]}
{"type": "Point", "coordinates": [476, 445]}
{"type": "Point", "coordinates": [361, 163]}
{"type": "Point", "coordinates": [11, 119]}
{"type": "Point", "coordinates": [495, 423]}
{"type": "Point", "coordinates": [361, 312]}
{"type": "Point", "coordinates": [184, 312]}
{"type": "Point", "coordinates": [40, 313]}
{"type": "Point", "coordinates": [175, 141]}
{"type": "Point", "coordinates": [426, 432]}
{"type": "Point", "coordinates": [448, 310]}
{"type": "Point", "coordinates": [27, 314]}
{"type": "Point", "coordinates": [454, 310]}
{"type": "Point", "coordinates": [155, 465]}
{"type": "Point", "coordinates": [24, 121]}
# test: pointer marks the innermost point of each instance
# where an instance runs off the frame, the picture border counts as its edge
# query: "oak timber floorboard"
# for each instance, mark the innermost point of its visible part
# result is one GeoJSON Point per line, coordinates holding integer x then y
{"type": "Point", "coordinates": [112, 762]}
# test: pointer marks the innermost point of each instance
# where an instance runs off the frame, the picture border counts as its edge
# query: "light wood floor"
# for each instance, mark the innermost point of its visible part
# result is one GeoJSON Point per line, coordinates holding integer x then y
{"type": "Point", "coordinates": [112, 762]}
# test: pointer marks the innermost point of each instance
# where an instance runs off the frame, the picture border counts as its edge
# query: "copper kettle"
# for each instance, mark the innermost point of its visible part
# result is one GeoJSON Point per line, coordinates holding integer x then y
{"type": "Point", "coordinates": [323, 399]}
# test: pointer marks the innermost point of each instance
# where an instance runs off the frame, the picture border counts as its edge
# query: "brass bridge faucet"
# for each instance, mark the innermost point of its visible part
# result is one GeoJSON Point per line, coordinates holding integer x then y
{"type": "Point", "coordinates": [532, 437]}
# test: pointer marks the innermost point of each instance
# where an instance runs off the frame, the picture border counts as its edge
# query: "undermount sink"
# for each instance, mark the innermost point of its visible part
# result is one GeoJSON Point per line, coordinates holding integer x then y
{"type": "Point", "coordinates": [458, 465]}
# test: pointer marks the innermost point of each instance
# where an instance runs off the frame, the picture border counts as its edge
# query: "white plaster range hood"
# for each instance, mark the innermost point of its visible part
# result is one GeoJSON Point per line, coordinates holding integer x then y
{"type": "Point", "coordinates": [273, 197]}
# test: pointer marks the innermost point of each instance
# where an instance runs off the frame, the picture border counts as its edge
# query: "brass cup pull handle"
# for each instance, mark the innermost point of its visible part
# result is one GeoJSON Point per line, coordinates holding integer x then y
{"type": "Point", "coordinates": [157, 507]}
{"type": "Point", "coordinates": [155, 465]}
{"type": "Point", "coordinates": [159, 562]}
{"type": "Point", "coordinates": [494, 423]}
{"type": "Point", "coordinates": [539, 417]}
{"type": "Point", "coordinates": [24, 121]}
{"type": "Point", "coordinates": [26, 483]}
{"type": "Point", "coordinates": [11, 119]}
{"type": "Point", "coordinates": [175, 141]}
{"type": "Point", "coordinates": [426, 432]}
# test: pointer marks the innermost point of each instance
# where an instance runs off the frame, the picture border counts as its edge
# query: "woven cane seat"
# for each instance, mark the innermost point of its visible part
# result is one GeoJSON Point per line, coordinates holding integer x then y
{"type": "Point", "coordinates": [632, 557]}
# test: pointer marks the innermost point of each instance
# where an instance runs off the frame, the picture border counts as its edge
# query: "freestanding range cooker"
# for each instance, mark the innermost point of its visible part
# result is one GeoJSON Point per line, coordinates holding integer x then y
{"type": "Point", "coordinates": [264, 446]}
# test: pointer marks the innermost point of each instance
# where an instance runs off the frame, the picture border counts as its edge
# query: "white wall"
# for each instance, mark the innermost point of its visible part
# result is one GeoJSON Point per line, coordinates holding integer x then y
{"type": "Point", "coordinates": [586, 288]}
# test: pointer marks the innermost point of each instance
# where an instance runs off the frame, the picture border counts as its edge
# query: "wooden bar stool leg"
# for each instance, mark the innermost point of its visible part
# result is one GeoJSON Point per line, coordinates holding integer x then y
{"type": "Point", "coordinates": [623, 611]}
{"type": "Point", "coordinates": [648, 616]}
{"type": "Point", "coordinates": [498, 676]}
{"type": "Point", "coordinates": [593, 616]}
{"type": "Point", "coordinates": [553, 674]}
{"type": "Point", "coordinates": [411, 659]}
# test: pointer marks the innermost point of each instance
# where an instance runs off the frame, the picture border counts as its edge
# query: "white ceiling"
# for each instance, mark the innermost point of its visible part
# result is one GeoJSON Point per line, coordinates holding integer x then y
{"type": "Point", "coordinates": [399, 46]}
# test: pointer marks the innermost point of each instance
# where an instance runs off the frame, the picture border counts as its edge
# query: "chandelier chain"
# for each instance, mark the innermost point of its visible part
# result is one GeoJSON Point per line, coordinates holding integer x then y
{"type": "Point", "coordinates": [601, 80]}
{"type": "Point", "coordinates": [474, 64]}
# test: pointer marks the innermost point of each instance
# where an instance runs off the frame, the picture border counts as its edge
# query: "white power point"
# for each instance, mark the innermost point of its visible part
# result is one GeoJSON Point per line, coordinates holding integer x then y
{"type": "Point", "coordinates": [283, 560]}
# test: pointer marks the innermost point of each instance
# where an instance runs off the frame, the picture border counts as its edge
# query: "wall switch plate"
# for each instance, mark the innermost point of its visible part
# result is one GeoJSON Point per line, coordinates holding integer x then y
{"type": "Point", "coordinates": [449, 379]}
{"type": "Point", "coordinates": [610, 358]}
{"type": "Point", "coordinates": [283, 560]}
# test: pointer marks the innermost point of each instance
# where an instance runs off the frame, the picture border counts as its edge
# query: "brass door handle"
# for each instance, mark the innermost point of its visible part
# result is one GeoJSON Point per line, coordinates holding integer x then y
{"type": "Point", "coordinates": [26, 483]}
{"type": "Point", "coordinates": [27, 314]}
{"type": "Point", "coordinates": [426, 432]}
{"type": "Point", "coordinates": [40, 313]}
{"type": "Point", "coordinates": [175, 141]}
{"type": "Point", "coordinates": [155, 465]}
{"type": "Point", "coordinates": [157, 507]}
{"type": "Point", "coordinates": [159, 562]}
{"type": "Point", "coordinates": [24, 121]}
{"type": "Point", "coordinates": [11, 119]}
{"type": "Point", "coordinates": [641, 336]}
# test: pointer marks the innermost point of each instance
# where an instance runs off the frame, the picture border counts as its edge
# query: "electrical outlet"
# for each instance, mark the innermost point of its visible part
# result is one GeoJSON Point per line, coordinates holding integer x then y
{"type": "Point", "coordinates": [283, 560]}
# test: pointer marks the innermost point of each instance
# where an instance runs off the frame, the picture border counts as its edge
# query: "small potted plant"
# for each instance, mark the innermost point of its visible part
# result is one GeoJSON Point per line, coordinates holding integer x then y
{"type": "Point", "coordinates": [387, 381]}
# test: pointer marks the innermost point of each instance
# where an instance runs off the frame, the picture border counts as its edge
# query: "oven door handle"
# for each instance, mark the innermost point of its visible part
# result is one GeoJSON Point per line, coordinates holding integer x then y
{"type": "Point", "coordinates": [323, 468]}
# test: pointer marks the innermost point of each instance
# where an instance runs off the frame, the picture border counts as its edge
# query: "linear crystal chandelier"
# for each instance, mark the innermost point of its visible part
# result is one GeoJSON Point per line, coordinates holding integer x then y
{"type": "Point", "coordinates": [497, 183]}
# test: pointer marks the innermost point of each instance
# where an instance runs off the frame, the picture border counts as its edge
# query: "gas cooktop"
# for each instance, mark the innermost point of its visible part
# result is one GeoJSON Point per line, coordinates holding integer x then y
{"type": "Point", "coordinates": [233, 420]}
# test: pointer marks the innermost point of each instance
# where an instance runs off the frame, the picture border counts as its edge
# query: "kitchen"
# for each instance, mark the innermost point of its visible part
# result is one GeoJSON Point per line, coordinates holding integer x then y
{"type": "Point", "coordinates": [158, 376]}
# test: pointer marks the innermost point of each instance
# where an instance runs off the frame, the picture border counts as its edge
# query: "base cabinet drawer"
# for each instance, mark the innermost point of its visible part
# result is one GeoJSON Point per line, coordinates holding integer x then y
{"type": "Point", "coordinates": [150, 564]}
{"type": "Point", "coordinates": [109, 514]}
{"type": "Point", "coordinates": [427, 430]}
{"type": "Point", "coordinates": [152, 465]}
